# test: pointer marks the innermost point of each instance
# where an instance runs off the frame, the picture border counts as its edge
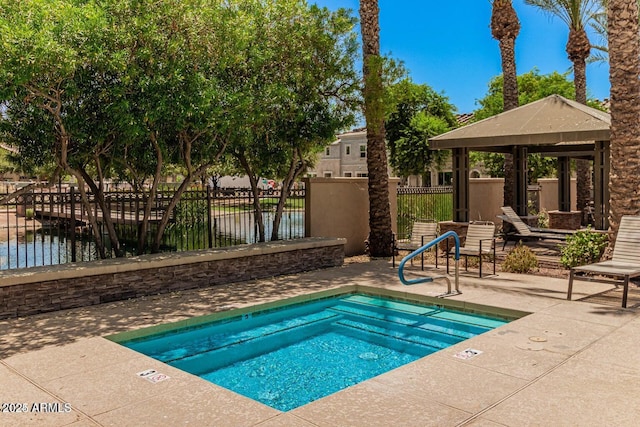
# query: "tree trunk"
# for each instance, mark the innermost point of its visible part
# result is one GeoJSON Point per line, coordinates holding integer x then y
{"type": "Point", "coordinates": [296, 167]}
{"type": "Point", "coordinates": [151, 198]}
{"type": "Point", "coordinates": [505, 28]}
{"type": "Point", "coordinates": [510, 78]}
{"type": "Point", "coordinates": [578, 49]}
{"type": "Point", "coordinates": [624, 54]}
{"type": "Point", "coordinates": [380, 232]}
{"type": "Point", "coordinates": [510, 99]}
{"type": "Point", "coordinates": [106, 212]}
{"type": "Point", "coordinates": [257, 208]}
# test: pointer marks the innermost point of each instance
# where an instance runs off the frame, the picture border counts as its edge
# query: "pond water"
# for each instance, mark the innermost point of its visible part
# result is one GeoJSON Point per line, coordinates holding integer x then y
{"type": "Point", "coordinates": [51, 246]}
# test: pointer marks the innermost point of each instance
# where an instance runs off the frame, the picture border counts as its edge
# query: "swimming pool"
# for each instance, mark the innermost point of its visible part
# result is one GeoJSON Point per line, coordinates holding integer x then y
{"type": "Point", "coordinates": [288, 356]}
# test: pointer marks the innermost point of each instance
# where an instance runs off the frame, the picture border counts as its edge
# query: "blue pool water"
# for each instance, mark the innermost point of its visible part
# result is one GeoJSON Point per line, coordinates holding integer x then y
{"type": "Point", "coordinates": [291, 356]}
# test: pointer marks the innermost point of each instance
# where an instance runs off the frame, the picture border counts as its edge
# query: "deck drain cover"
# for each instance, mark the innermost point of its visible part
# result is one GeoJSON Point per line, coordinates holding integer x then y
{"type": "Point", "coordinates": [532, 346]}
{"type": "Point", "coordinates": [538, 339]}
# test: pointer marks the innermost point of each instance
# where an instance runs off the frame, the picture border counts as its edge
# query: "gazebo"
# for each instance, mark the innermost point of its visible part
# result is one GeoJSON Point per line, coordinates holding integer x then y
{"type": "Point", "coordinates": [554, 127]}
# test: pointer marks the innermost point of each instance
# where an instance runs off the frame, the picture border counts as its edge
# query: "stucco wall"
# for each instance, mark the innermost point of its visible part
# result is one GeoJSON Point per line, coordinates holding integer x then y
{"type": "Point", "coordinates": [549, 193]}
{"type": "Point", "coordinates": [485, 198]}
{"type": "Point", "coordinates": [339, 207]}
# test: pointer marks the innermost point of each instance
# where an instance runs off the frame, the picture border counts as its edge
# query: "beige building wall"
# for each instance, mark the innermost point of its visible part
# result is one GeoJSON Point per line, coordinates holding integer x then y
{"type": "Point", "coordinates": [339, 207]}
{"type": "Point", "coordinates": [353, 161]}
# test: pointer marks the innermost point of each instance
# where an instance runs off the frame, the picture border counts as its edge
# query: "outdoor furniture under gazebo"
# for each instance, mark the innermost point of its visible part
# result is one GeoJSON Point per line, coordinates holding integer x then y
{"type": "Point", "coordinates": [554, 127]}
{"type": "Point", "coordinates": [522, 231]}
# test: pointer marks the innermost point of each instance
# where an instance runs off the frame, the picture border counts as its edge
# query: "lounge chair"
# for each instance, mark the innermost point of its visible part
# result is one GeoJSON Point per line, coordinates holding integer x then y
{"type": "Point", "coordinates": [480, 240]}
{"type": "Point", "coordinates": [624, 264]}
{"type": "Point", "coordinates": [524, 232]}
{"type": "Point", "coordinates": [422, 232]}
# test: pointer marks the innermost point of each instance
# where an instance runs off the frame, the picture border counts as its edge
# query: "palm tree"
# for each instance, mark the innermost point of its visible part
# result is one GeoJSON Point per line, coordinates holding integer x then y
{"type": "Point", "coordinates": [624, 54]}
{"type": "Point", "coordinates": [599, 27]}
{"type": "Point", "coordinates": [380, 233]}
{"type": "Point", "coordinates": [576, 14]}
{"type": "Point", "coordinates": [505, 27]}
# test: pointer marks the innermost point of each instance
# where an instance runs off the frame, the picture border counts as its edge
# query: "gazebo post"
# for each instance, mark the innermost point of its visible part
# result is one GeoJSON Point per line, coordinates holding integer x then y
{"type": "Point", "coordinates": [520, 193]}
{"type": "Point", "coordinates": [460, 163]}
{"type": "Point", "coordinates": [564, 184]}
{"type": "Point", "coordinates": [601, 166]}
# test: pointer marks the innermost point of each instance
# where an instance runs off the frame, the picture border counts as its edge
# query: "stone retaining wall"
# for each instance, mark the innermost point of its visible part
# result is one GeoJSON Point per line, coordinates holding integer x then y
{"type": "Point", "coordinates": [42, 289]}
{"type": "Point", "coordinates": [565, 220]}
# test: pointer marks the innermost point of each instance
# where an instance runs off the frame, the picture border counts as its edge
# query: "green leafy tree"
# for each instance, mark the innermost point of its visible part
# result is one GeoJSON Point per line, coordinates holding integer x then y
{"type": "Point", "coordinates": [122, 87]}
{"type": "Point", "coordinates": [416, 114]}
{"type": "Point", "coordinates": [304, 88]}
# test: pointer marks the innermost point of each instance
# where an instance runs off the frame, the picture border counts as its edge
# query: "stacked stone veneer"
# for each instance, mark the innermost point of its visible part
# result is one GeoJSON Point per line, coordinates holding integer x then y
{"type": "Point", "coordinates": [565, 220]}
{"type": "Point", "coordinates": [42, 289]}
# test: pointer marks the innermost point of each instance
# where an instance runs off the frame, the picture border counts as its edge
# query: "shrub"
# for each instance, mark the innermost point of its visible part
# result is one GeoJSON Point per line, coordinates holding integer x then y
{"type": "Point", "coordinates": [583, 247]}
{"type": "Point", "coordinates": [543, 219]}
{"type": "Point", "coordinates": [29, 214]}
{"type": "Point", "coordinates": [520, 259]}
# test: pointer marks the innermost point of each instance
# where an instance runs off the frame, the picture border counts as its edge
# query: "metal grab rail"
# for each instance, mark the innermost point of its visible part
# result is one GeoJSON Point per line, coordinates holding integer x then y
{"type": "Point", "coordinates": [431, 278]}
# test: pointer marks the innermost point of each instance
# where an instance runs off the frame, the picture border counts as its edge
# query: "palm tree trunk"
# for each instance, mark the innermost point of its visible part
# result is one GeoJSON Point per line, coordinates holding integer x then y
{"type": "Point", "coordinates": [583, 167]}
{"type": "Point", "coordinates": [578, 50]}
{"type": "Point", "coordinates": [380, 232]}
{"type": "Point", "coordinates": [624, 54]}
{"type": "Point", "coordinates": [510, 100]}
{"type": "Point", "coordinates": [505, 28]}
{"type": "Point", "coordinates": [510, 79]}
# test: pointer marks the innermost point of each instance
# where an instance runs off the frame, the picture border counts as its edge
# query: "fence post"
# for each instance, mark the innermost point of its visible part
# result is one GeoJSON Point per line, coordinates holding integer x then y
{"type": "Point", "coordinates": [72, 197]}
{"type": "Point", "coordinates": [209, 215]}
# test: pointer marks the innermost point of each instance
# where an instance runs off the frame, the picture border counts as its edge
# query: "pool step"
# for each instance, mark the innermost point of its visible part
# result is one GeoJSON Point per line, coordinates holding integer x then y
{"type": "Point", "coordinates": [429, 323]}
{"type": "Point", "coordinates": [169, 348]}
{"type": "Point", "coordinates": [398, 335]}
{"type": "Point", "coordinates": [431, 311]}
{"type": "Point", "coordinates": [401, 337]}
{"type": "Point", "coordinates": [208, 361]}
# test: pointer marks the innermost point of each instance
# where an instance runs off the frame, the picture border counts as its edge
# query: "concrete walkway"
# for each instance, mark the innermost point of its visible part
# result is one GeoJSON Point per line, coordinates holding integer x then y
{"type": "Point", "coordinates": [569, 363]}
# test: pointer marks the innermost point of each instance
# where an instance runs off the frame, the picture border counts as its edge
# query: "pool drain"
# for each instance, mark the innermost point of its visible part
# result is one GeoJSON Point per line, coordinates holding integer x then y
{"type": "Point", "coordinates": [368, 356]}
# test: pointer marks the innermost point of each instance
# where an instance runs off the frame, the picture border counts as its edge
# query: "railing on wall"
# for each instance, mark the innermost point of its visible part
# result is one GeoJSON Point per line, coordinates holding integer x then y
{"type": "Point", "coordinates": [422, 203]}
{"type": "Point", "coordinates": [51, 226]}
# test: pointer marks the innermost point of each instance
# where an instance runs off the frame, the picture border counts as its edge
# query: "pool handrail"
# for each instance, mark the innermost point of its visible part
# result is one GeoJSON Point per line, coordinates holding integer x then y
{"type": "Point", "coordinates": [431, 278]}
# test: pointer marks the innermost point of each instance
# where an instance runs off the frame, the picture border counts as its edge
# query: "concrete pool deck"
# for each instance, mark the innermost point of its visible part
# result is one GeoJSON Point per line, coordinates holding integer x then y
{"type": "Point", "coordinates": [569, 363]}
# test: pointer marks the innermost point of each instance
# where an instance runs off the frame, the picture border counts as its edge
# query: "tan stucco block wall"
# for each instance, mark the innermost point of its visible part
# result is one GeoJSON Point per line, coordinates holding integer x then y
{"type": "Point", "coordinates": [485, 198]}
{"type": "Point", "coordinates": [339, 207]}
{"type": "Point", "coordinates": [549, 193]}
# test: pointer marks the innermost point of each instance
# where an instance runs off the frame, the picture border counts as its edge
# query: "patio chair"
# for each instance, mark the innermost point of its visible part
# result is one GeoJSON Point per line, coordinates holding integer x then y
{"type": "Point", "coordinates": [524, 232]}
{"type": "Point", "coordinates": [422, 232]}
{"type": "Point", "coordinates": [480, 240]}
{"type": "Point", "coordinates": [624, 264]}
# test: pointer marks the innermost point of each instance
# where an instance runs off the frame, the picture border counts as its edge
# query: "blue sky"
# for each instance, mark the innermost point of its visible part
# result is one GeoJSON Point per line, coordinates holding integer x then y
{"type": "Point", "coordinates": [448, 45]}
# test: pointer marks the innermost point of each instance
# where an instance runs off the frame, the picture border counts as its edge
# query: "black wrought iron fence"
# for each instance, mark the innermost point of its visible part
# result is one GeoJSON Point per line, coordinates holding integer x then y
{"type": "Point", "coordinates": [52, 226]}
{"type": "Point", "coordinates": [423, 203]}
